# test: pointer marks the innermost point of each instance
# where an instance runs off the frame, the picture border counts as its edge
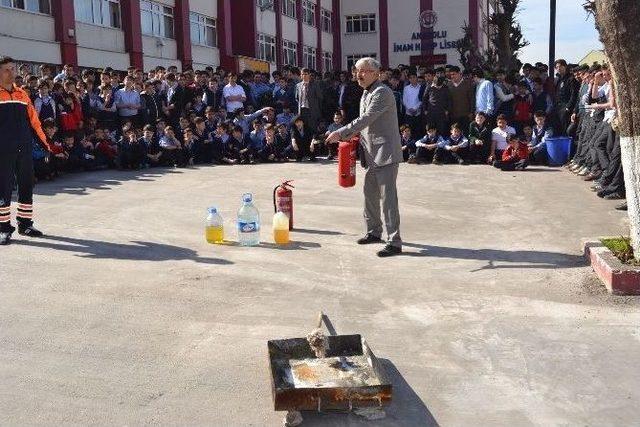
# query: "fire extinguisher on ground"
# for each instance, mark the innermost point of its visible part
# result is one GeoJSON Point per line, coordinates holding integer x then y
{"type": "Point", "coordinates": [347, 153]}
{"type": "Point", "coordinates": [283, 200]}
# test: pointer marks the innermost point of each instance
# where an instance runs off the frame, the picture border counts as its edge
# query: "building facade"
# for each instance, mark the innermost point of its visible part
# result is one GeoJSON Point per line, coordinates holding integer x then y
{"type": "Point", "coordinates": [320, 34]}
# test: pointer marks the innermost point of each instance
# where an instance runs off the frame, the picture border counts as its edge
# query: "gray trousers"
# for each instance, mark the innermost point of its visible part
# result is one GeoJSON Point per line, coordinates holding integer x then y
{"type": "Point", "coordinates": [380, 187]}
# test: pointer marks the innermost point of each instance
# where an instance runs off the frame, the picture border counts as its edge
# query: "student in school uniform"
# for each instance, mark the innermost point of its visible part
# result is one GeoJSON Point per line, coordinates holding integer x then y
{"type": "Point", "coordinates": [453, 149]}
{"type": "Point", "coordinates": [540, 133]}
{"type": "Point", "coordinates": [479, 139]}
{"type": "Point", "coordinates": [514, 157]}
{"type": "Point", "coordinates": [499, 138]}
{"type": "Point", "coordinates": [427, 145]}
{"type": "Point", "coordinates": [408, 143]}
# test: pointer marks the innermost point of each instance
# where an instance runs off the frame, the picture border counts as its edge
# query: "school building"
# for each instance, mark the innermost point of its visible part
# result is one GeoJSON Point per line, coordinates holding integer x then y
{"type": "Point", "coordinates": [261, 34]}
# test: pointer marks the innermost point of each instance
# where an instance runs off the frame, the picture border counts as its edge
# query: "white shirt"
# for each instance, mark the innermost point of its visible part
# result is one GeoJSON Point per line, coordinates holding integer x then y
{"type": "Point", "coordinates": [235, 90]}
{"type": "Point", "coordinates": [500, 136]}
{"type": "Point", "coordinates": [410, 98]}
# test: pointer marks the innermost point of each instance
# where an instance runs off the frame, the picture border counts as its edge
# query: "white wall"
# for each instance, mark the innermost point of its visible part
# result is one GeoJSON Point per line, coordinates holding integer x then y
{"type": "Point", "coordinates": [289, 29]}
{"type": "Point", "coordinates": [310, 35]}
{"type": "Point", "coordinates": [266, 22]}
{"type": "Point", "coordinates": [101, 46]}
{"type": "Point", "coordinates": [451, 17]}
{"type": "Point", "coordinates": [359, 43]}
{"type": "Point", "coordinates": [28, 36]}
{"type": "Point", "coordinates": [403, 22]}
{"type": "Point", "coordinates": [327, 42]}
{"type": "Point", "coordinates": [204, 56]}
{"type": "Point", "coordinates": [155, 55]}
{"type": "Point", "coordinates": [205, 7]}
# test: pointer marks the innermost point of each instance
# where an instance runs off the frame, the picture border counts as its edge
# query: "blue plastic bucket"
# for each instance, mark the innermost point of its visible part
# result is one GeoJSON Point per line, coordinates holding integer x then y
{"type": "Point", "coordinates": [558, 150]}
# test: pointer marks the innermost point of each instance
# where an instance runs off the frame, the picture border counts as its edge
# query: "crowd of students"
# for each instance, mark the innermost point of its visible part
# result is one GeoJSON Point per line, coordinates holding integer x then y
{"type": "Point", "coordinates": [129, 120]}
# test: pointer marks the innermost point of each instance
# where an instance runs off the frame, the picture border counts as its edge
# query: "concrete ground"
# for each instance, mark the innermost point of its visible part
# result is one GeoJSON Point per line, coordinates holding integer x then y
{"type": "Point", "coordinates": [123, 315]}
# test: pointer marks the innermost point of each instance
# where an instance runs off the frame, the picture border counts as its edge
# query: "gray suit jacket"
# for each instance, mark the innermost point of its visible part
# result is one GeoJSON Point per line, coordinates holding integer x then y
{"type": "Point", "coordinates": [314, 97]}
{"type": "Point", "coordinates": [378, 126]}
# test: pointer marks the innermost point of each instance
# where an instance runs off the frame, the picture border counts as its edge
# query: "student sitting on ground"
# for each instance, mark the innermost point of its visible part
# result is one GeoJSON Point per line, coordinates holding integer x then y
{"type": "Point", "coordinates": [499, 138]}
{"type": "Point", "coordinates": [172, 153]}
{"type": "Point", "coordinates": [338, 122]}
{"type": "Point", "coordinates": [283, 139]}
{"type": "Point", "coordinates": [269, 152]}
{"type": "Point", "coordinates": [538, 145]}
{"type": "Point", "coordinates": [514, 157]}
{"type": "Point", "coordinates": [257, 136]}
{"type": "Point", "coordinates": [240, 145]}
{"type": "Point", "coordinates": [151, 147]}
{"type": "Point", "coordinates": [408, 143]}
{"type": "Point", "coordinates": [203, 147]}
{"type": "Point", "coordinates": [426, 146]}
{"type": "Point", "coordinates": [479, 139]}
{"type": "Point", "coordinates": [286, 117]}
{"type": "Point", "coordinates": [300, 142]}
{"type": "Point", "coordinates": [453, 149]}
{"type": "Point", "coordinates": [132, 153]}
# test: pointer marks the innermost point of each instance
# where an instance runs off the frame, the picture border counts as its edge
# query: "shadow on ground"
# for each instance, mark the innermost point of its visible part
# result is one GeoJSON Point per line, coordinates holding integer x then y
{"type": "Point", "coordinates": [81, 183]}
{"type": "Point", "coordinates": [517, 259]}
{"type": "Point", "coordinates": [134, 251]}
{"type": "Point", "coordinates": [406, 408]}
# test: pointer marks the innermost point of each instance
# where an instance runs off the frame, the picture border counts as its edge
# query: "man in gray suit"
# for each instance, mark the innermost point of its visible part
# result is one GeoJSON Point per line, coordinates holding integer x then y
{"type": "Point", "coordinates": [309, 98]}
{"type": "Point", "coordinates": [382, 154]}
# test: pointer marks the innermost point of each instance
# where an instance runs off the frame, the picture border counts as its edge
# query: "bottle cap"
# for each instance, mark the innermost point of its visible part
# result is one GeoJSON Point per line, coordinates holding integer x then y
{"type": "Point", "coordinates": [212, 210]}
{"type": "Point", "coordinates": [247, 197]}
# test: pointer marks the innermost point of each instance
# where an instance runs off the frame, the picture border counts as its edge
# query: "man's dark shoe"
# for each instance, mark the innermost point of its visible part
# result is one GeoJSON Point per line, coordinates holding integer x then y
{"type": "Point", "coordinates": [369, 239]}
{"type": "Point", "coordinates": [621, 207]}
{"type": "Point", "coordinates": [5, 235]}
{"type": "Point", "coordinates": [389, 250]}
{"type": "Point", "coordinates": [5, 238]}
{"type": "Point", "coordinates": [30, 231]}
{"type": "Point", "coordinates": [614, 196]}
{"type": "Point", "coordinates": [591, 177]}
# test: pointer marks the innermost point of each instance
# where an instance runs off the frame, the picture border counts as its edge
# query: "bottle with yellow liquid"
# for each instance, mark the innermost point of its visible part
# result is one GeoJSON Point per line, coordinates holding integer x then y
{"type": "Point", "coordinates": [281, 228]}
{"type": "Point", "coordinates": [214, 228]}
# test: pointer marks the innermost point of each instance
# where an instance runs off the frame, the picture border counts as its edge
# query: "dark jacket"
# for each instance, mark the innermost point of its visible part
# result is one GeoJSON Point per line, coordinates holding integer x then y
{"type": "Point", "coordinates": [567, 89]}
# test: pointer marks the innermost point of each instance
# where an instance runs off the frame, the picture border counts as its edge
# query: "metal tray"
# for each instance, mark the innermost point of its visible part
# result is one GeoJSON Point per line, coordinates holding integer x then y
{"type": "Point", "coordinates": [349, 377]}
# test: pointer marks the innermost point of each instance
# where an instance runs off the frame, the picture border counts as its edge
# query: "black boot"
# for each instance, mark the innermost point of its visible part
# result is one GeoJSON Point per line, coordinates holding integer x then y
{"type": "Point", "coordinates": [5, 235]}
{"type": "Point", "coordinates": [29, 231]}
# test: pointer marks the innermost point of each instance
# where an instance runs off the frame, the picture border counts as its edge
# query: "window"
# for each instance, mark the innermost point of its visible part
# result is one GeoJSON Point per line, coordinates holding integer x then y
{"type": "Point", "coordinates": [266, 48]}
{"type": "Point", "coordinates": [157, 19]}
{"type": "Point", "coordinates": [38, 6]}
{"type": "Point", "coordinates": [289, 53]}
{"type": "Point", "coordinates": [352, 59]}
{"type": "Point", "coordinates": [99, 12]}
{"type": "Point", "coordinates": [309, 57]}
{"type": "Point", "coordinates": [265, 4]}
{"type": "Point", "coordinates": [203, 30]}
{"type": "Point", "coordinates": [327, 61]}
{"type": "Point", "coordinates": [327, 20]}
{"type": "Point", "coordinates": [361, 23]}
{"type": "Point", "coordinates": [289, 8]}
{"type": "Point", "coordinates": [309, 12]}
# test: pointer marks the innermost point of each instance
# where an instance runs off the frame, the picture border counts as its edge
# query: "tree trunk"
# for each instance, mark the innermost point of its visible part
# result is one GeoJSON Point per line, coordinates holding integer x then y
{"type": "Point", "coordinates": [617, 22]}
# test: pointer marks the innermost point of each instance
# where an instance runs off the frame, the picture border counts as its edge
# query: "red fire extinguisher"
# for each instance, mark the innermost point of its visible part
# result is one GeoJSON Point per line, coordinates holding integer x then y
{"type": "Point", "coordinates": [347, 151]}
{"type": "Point", "coordinates": [283, 200]}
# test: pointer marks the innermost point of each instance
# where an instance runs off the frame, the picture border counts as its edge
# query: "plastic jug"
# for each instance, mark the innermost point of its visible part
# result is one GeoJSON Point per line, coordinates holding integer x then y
{"type": "Point", "coordinates": [248, 222]}
{"type": "Point", "coordinates": [214, 227]}
{"type": "Point", "coordinates": [280, 228]}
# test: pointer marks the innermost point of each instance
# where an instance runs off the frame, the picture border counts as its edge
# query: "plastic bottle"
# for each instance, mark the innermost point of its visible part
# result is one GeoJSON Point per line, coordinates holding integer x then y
{"type": "Point", "coordinates": [214, 227]}
{"type": "Point", "coordinates": [281, 228]}
{"type": "Point", "coordinates": [248, 222]}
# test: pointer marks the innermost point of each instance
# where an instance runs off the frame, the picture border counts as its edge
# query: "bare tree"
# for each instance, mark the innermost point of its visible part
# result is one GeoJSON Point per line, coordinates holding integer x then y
{"type": "Point", "coordinates": [617, 21]}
